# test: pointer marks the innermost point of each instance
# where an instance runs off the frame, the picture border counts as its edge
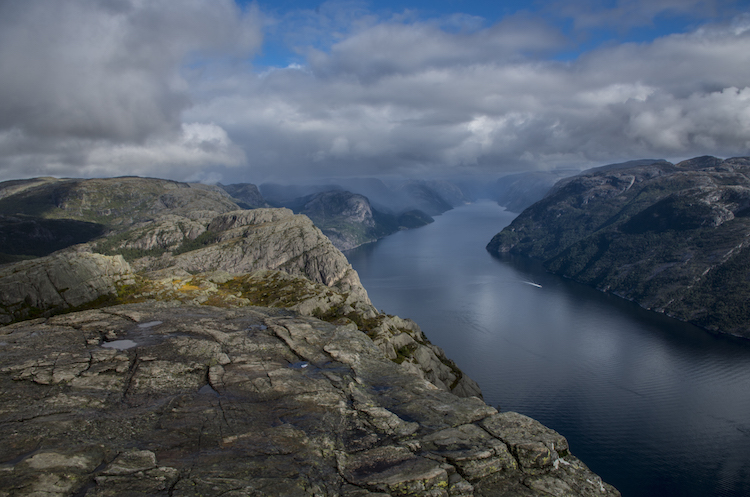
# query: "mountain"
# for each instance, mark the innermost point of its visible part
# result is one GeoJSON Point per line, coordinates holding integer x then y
{"type": "Point", "coordinates": [247, 195]}
{"type": "Point", "coordinates": [672, 237]}
{"type": "Point", "coordinates": [349, 220]}
{"type": "Point", "coordinates": [516, 192]}
{"type": "Point", "coordinates": [223, 351]}
{"type": "Point", "coordinates": [431, 196]}
{"type": "Point", "coordinates": [39, 216]}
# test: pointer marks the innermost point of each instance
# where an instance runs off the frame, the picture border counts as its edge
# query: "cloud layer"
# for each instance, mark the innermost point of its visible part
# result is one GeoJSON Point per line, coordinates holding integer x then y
{"type": "Point", "coordinates": [143, 87]}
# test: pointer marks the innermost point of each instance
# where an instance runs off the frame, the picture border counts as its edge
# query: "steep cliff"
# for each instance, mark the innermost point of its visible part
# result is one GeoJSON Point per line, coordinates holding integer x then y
{"type": "Point", "coordinates": [175, 399]}
{"type": "Point", "coordinates": [674, 238]}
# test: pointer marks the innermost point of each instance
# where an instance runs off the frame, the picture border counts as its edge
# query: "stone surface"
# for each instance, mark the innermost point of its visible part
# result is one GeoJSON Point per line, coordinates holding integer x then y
{"type": "Point", "coordinates": [247, 401]}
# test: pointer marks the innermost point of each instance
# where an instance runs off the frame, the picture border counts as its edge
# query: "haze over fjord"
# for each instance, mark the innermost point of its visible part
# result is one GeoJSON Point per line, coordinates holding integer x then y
{"type": "Point", "coordinates": [217, 90]}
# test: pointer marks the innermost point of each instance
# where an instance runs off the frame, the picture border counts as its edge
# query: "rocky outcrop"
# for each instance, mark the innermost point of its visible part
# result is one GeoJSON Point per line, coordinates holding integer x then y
{"type": "Point", "coordinates": [674, 238]}
{"type": "Point", "coordinates": [344, 217]}
{"type": "Point", "coordinates": [59, 282]}
{"type": "Point", "coordinates": [348, 219]}
{"type": "Point", "coordinates": [247, 195]}
{"type": "Point", "coordinates": [175, 399]}
{"type": "Point", "coordinates": [246, 241]}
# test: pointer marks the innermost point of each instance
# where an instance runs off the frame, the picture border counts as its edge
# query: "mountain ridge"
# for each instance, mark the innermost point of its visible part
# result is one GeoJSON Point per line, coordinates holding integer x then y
{"type": "Point", "coordinates": [672, 237]}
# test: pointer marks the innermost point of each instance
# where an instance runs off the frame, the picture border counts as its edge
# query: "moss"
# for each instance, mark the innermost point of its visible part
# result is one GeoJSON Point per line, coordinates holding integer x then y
{"type": "Point", "coordinates": [203, 240]}
{"type": "Point", "coordinates": [271, 291]}
{"type": "Point", "coordinates": [113, 245]}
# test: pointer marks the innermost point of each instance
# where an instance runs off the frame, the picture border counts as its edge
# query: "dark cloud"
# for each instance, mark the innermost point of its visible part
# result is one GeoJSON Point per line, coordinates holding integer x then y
{"type": "Point", "coordinates": [81, 76]}
{"type": "Point", "coordinates": [160, 88]}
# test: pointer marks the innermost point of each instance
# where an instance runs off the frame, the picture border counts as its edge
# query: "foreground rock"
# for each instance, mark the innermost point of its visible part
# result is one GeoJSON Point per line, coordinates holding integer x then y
{"type": "Point", "coordinates": [674, 238]}
{"type": "Point", "coordinates": [163, 398]}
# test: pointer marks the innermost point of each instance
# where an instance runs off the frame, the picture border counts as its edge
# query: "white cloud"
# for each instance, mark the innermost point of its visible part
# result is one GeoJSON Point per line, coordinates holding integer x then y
{"type": "Point", "coordinates": [94, 83]}
{"type": "Point", "coordinates": [165, 92]}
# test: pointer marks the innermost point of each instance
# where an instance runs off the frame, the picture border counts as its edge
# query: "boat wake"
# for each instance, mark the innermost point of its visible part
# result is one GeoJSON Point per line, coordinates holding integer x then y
{"type": "Point", "coordinates": [532, 284]}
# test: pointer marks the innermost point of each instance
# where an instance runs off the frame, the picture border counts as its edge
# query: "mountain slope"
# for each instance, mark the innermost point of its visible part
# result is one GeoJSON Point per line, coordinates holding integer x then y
{"type": "Point", "coordinates": [674, 238]}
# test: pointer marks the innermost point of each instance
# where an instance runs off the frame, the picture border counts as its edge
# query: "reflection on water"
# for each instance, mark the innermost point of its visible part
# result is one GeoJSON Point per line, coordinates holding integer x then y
{"type": "Point", "coordinates": [656, 407]}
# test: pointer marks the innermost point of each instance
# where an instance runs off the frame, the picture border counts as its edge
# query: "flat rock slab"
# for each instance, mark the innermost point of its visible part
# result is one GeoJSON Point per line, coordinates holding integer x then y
{"type": "Point", "coordinates": [251, 401]}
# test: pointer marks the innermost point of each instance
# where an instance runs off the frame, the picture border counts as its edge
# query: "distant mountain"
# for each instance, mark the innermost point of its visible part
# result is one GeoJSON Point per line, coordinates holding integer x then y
{"type": "Point", "coordinates": [247, 195]}
{"type": "Point", "coordinates": [41, 215]}
{"type": "Point", "coordinates": [349, 220]}
{"type": "Point", "coordinates": [674, 238]}
{"type": "Point", "coordinates": [516, 192]}
{"type": "Point", "coordinates": [282, 195]}
{"type": "Point", "coordinates": [431, 196]}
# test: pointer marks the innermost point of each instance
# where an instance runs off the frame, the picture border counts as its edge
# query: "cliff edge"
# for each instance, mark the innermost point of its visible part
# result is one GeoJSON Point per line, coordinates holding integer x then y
{"type": "Point", "coordinates": [235, 352]}
{"type": "Point", "coordinates": [673, 237]}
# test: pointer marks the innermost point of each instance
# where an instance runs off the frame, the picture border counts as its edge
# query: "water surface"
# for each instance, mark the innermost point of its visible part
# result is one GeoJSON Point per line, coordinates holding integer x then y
{"type": "Point", "coordinates": [656, 407]}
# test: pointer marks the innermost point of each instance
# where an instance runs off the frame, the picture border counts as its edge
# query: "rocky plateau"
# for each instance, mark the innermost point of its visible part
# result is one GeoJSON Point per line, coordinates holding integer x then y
{"type": "Point", "coordinates": [202, 349]}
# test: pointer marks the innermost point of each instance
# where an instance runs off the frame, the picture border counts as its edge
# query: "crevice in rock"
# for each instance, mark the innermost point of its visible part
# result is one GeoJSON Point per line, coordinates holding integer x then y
{"type": "Point", "coordinates": [129, 379]}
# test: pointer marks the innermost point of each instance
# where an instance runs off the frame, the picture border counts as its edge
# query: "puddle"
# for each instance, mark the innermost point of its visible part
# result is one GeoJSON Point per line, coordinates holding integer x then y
{"type": "Point", "coordinates": [150, 324]}
{"type": "Point", "coordinates": [299, 365]}
{"type": "Point", "coordinates": [208, 390]}
{"type": "Point", "coordinates": [120, 344]}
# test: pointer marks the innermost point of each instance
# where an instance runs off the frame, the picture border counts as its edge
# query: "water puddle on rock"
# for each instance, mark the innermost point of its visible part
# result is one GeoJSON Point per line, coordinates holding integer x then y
{"type": "Point", "coordinates": [150, 324]}
{"type": "Point", "coordinates": [120, 344]}
{"type": "Point", "coordinates": [207, 390]}
{"type": "Point", "coordinates": [299, 365]}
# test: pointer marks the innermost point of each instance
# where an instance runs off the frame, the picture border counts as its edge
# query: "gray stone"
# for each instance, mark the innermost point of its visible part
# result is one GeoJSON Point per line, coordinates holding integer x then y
{"type": "Point", "coordinates": [238, 401]}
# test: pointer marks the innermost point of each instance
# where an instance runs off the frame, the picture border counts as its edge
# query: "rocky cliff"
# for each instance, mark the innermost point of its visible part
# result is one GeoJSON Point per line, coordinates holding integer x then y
{"type": "Point", "coordinates": [175, 399]}
{"type": "Point", "coordinates": [236, 353]}
{"type": "Point", "coordinates": [349, 220]}
{"type": "Point", "coordinates": [674, 238]}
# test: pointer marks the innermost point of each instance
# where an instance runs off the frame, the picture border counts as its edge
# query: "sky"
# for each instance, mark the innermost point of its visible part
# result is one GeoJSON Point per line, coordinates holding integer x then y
{"type": "Point", "coordinates": [241, 91]}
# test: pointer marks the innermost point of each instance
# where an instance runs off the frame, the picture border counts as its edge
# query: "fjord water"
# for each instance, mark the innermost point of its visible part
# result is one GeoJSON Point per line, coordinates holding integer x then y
{"type": "Point", "coordinates": [654, 406]}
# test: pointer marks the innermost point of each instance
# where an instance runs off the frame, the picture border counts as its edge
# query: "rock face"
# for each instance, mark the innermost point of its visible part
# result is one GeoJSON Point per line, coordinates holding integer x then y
{"type": "Point", "coordinates": [176, 399]}
{"type": "Point", "coordinates": [243, 241]}
{"type": "Point", "coordinates": [60, 282]}
{"type": "Point", "coordinates": [674, 238]}
{"type": "Point", "coordinates": [349, 220]}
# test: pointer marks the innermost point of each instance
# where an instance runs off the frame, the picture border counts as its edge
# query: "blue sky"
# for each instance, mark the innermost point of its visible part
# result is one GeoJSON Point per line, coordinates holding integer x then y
{"type": "Point", "coordinates": [586, 24]}
{"type": "Point", "coordinates": [215, 90]}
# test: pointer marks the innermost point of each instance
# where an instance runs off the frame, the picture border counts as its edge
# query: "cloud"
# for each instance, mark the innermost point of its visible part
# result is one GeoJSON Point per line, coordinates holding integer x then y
{"type": "Point", "coordinates": [80, 78]}
{"type": "Point", "coordinates": [464, 101]}
{"type": "Point", "coordinates": [627, 14]}
{"type": "Point", "coordinates": [167, 91]}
